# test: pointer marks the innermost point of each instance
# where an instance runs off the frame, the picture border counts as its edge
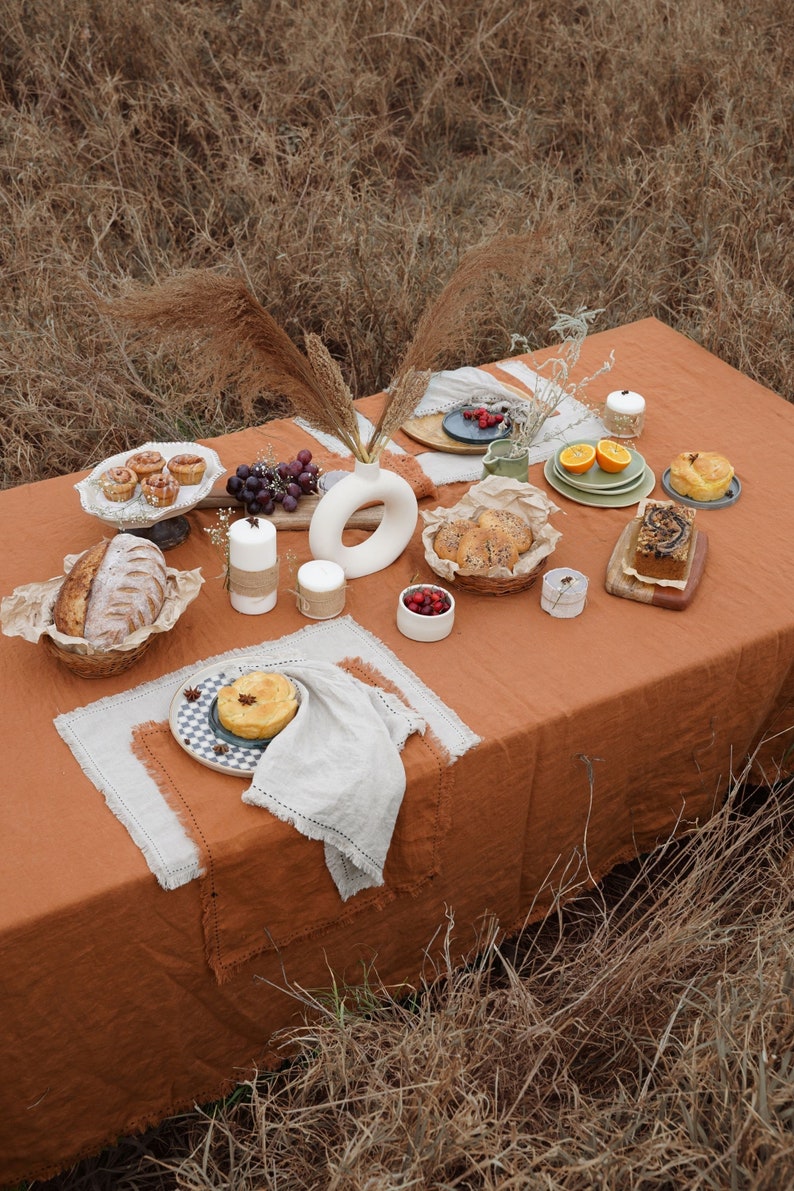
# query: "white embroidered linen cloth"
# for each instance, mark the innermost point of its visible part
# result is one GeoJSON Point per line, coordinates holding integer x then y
{"type": "Point", "coordinates": [100, 734]}
{"type": "Point", "coordinates": [446, 390]}
{"type": "Point", "coordinates": [335, 771]}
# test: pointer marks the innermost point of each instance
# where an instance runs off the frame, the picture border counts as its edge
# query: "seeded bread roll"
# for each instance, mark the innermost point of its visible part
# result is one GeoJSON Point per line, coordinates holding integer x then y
{"type": "Point", "coordinates": [481, 549]}
{"type": "Point", "coordinates": [447, 541]}
{"type": "Point", "coordinates": [113, 589]}
{"type": "Point", "coordinates": [509, 523]}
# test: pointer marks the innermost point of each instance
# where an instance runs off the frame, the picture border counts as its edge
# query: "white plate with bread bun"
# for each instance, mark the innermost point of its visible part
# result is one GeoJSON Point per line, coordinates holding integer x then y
{"type": "Point", "coordinates": [196, 713]}
{"type": "Point", "coordinates": [137, 488]}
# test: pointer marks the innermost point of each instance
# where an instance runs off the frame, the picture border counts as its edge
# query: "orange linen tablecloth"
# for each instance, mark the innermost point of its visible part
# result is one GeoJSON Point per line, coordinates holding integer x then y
{"type": "Point", "coordinates": [600, 736]}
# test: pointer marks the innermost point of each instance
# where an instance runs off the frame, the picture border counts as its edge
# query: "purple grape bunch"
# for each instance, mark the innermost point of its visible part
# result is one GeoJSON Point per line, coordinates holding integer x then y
{"type": "Point", "coordinates": [262, 486]}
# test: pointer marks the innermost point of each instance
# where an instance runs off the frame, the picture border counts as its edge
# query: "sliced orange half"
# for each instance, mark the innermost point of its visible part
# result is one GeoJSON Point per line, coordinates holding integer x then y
{"type": "Point", "coordinates": [578, 459]}
{"type": "Point", "coordinates": [612, 456]}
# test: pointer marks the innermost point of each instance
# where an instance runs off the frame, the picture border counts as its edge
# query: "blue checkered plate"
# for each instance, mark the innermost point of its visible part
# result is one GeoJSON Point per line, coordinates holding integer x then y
{"type": "Point", "coordinates": [195, 725]}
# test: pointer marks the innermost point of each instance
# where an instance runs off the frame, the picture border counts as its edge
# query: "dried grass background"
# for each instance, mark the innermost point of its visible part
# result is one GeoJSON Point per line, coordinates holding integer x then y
{"type": "Point", "coordinates": [343, 157]}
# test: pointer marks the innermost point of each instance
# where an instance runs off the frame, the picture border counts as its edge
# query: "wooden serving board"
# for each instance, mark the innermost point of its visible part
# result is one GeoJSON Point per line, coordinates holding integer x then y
{"type": "Point", "coordinates": [429, 431]}
{"type": "Point", "coordinates": [620, 584]}
{"type": "Point", "coordinates": [368, 518]}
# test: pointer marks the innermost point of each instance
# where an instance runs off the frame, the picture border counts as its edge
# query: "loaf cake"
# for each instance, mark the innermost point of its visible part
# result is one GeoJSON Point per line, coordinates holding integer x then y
{"type": "Point", "coordinates": [114, 588]}
{"type": "Point", "coordinates": [257, 705]}
{"type": "Point", "coordinates": [664, 540]}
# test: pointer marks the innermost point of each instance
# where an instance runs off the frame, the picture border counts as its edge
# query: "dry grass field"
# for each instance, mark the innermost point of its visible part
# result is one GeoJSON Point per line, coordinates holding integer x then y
{"type": "Point", "coordinates": [342, 156]}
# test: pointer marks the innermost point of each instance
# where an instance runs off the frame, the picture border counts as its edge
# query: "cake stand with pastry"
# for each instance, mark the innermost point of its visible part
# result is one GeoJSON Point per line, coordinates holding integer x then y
{"type": "Point", "coordinates": [148, 491]}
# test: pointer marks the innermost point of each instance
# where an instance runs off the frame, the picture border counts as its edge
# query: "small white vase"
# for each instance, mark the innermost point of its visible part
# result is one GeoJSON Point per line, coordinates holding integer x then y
{"type": "Point", "coordinates": [369, 483]}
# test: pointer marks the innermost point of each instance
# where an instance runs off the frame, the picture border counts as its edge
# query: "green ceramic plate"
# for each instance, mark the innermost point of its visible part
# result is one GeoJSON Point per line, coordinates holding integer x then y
{"type": "Point", "coordinates": [596, 480]}
{"type": "Point", "coordinates": [604, 500]}
{"type": "Point", "coordinates": [565, 478]}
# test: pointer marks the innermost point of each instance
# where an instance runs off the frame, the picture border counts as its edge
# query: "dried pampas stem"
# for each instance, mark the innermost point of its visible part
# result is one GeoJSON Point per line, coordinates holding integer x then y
{"type": "Point", "coordinates": [239, 343]}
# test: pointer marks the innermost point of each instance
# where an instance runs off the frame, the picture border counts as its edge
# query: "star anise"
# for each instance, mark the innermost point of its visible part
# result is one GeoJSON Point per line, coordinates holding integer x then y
{"type": "Point", "coordinates": [246, 700]}
{"type": "Point", "coordinates": [192, 693]}
{"type": "Point", "coordinates": [253, 522]}
{"type": "Point", "coordinates": [220, 749]}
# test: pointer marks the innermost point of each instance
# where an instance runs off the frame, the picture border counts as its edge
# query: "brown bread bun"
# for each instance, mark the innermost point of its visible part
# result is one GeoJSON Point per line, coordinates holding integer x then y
{"type": "Point", "coordinates": [481, 549]}
{"type": "Point", "coordinates": [509, 523]}
{"type": "Point", "coordinates": [447, 540]}
{"type": "Point", "coordinates": [114, 588]}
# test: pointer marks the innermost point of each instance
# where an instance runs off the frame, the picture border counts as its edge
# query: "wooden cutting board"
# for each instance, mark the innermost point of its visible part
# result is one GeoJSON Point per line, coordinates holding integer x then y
{"type": "Point", "coordinates": [367, 518]}
{"type": "Point", "coordinates": [619, 584]}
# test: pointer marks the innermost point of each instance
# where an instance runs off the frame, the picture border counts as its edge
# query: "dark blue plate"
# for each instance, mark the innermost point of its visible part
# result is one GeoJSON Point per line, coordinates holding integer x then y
{"type": "Point", "coordinates": [463, 430]}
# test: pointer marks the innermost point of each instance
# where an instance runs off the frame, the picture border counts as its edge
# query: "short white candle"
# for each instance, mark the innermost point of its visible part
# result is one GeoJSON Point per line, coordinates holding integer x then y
{"type": "Point", "coordinates": [320, 576]}
{"type": "Point", "coordinates": [252, 547]}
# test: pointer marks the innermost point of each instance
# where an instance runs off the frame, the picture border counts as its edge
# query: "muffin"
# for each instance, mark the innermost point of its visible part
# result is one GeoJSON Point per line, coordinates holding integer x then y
{"type": "Point", "coordinates": [160, 490]}
{"type": "Point", "coordinates": [187, 469]}
{"type": "Point", "coordinates": [118, 483]}
{"type": "Point", "coordinates": [145, 463]}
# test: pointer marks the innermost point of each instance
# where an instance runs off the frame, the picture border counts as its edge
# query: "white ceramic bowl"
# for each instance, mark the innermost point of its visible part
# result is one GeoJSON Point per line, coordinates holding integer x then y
{"type": "Point", "coordinates": [425, 628]}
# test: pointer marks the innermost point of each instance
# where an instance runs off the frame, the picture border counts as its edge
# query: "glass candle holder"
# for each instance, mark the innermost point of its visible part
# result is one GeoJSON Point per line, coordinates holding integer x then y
{"type": "Point", "coordinates": [624, 414]}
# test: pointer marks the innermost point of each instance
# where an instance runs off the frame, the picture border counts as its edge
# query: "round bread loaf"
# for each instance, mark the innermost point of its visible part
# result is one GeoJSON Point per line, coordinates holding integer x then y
{"type": "Point", "coordinates": [509, 523]}
{"type": "Point", "coordinates": [113, 589]}
{"type": "Point", "coordinates": [257, 705]}
{"type": "Point", "coordinates": [447, 541]}
{"type": "Point", "coordinates": [701, 475]}
{"type": "Point", "coordinates": [481, 549]}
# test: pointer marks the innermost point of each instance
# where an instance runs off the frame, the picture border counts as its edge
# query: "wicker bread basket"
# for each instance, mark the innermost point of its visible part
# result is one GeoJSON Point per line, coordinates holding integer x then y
{"type": "Point", "coordinates": [497, 492]}
{"type": "Point", "coordinates": [485, 585]}
{"type": "Point", "coordinates": [95, 665]}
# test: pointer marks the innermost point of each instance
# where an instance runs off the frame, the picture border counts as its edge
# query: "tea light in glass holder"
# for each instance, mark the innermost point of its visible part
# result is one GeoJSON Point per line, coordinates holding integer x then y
{"type": "Point", "coordinates": [564, 593]}
{"type": "Point", "coordinates": [320, 590]}
{"type": "Point", "coordinates": [253, 565]}
{"type": "Point", "coordinates": [624, 414]}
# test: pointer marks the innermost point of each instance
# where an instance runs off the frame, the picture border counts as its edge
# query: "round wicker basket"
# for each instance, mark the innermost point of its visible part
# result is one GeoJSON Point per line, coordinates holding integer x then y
{"type": "Point", "coordinates": [484, 585]}
{"type": "Point", "coordinates": [99, 665]}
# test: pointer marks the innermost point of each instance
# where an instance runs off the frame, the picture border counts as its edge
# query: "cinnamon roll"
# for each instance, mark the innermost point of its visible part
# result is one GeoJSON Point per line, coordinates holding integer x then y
{"type": "Point", "coordinates": [160, 490]}
{"type": "Point", "coordinates": [118, 483]}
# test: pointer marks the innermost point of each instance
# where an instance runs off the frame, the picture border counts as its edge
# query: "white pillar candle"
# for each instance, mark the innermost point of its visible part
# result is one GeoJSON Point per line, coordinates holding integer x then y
{"type": "Point", "coordinates": [253, 561]}
{"type": "Point", "coordinates": [320, 589]}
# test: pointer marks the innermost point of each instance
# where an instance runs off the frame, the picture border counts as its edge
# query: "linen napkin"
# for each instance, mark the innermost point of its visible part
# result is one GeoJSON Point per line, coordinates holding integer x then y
{"type": "Point", "coordinates": [335, 772]}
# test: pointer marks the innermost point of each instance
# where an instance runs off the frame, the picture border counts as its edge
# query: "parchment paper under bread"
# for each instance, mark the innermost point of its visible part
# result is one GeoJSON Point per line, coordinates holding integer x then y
{"type": "Point", "coordinates": [497, 492]}
{"type": "Point", "coordinates": [27, 612]}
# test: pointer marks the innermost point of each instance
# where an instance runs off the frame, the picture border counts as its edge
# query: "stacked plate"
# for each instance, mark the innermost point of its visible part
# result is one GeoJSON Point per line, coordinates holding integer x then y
{"type": "Point", "coordinates": [597, 487]}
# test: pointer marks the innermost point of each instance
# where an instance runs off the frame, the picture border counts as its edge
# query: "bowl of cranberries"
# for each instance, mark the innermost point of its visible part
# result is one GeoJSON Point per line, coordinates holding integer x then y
{"type": "Point", "coordinates": [425, 612]}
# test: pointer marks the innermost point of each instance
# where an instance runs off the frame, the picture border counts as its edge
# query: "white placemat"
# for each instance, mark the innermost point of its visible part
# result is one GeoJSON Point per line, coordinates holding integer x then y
{"type": "Point", "coordinates": [99, 735]}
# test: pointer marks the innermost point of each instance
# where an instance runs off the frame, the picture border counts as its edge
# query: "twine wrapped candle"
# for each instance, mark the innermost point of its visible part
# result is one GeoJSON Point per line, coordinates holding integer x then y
{"type": "Point", "coordinates": [320, 589]}
{"type": "Point", "coordinates": [253, 566]}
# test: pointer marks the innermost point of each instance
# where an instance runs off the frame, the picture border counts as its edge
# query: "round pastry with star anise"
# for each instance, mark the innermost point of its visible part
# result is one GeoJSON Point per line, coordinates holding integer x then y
{"type": "Point", "coordinates": [257, 705]}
